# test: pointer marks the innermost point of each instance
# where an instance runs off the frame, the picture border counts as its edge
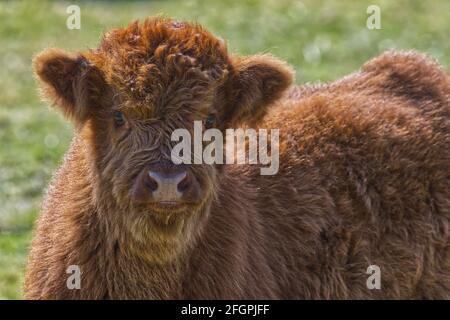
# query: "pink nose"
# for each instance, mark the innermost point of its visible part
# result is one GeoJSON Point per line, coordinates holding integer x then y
{"type": "Point", "coordinates": [167, 186]}
{"type": "Point", "coordinates": [165, 183]}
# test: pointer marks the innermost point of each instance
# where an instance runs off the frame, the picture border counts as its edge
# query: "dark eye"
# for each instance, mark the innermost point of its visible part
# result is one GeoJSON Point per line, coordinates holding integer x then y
{"type": "Point", "coordinates": [119, 118]}
{"type": "Point", "coordinates": [210, 121]}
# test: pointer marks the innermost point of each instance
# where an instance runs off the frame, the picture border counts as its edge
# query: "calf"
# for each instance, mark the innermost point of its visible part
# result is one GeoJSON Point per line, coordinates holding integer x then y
{"type": "Point", "coordinates": [363, 179]}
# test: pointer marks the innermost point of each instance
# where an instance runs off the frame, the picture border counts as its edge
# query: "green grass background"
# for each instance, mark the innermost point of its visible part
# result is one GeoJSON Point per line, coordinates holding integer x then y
{"type": "Point", "coordinates": [323, 40]}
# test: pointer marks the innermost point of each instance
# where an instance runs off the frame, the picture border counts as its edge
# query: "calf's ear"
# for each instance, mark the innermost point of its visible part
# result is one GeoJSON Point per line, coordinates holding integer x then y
{"type": "Point", "coordinates": [256, 82]}
{"type": "Point", "coordinates": [68, 81]}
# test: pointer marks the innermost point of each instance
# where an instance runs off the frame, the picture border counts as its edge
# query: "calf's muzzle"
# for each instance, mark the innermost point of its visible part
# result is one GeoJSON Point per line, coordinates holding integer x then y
{"type": "Point", "coordinates": [166, 183]}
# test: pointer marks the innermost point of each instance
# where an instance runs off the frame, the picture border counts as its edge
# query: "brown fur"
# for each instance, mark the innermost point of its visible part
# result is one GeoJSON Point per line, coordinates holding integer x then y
{"type": "Point", "coordinates": [364, 176]}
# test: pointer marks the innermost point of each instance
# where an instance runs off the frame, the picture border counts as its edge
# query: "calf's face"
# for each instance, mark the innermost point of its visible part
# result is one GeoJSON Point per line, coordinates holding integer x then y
{"type": "Point", "coordinates": [126, 98]}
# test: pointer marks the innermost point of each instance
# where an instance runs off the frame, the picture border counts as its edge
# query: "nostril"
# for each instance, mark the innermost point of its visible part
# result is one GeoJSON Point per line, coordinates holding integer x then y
{"type": "Point", "coordinates": [183, 184]}
{"type": "Point", "coordinates": [151, 183]}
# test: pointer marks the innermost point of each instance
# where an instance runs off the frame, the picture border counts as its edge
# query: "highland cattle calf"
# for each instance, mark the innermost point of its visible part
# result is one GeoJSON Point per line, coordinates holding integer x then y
{"type": "Point", "coordinates": [363, 180]}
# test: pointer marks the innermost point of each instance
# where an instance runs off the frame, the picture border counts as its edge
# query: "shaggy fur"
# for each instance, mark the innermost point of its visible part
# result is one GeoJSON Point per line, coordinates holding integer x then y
{"type": "Point", "coordinates": [364, 176]}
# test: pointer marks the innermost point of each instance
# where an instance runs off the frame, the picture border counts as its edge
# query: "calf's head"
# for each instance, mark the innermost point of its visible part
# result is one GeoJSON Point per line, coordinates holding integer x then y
{"type": "Point", "coordinates": [127, 96]}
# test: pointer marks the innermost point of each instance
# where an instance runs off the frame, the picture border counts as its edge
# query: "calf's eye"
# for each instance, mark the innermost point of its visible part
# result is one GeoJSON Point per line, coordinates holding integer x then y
{"type": "Point", "coordinates": [210, 121]}
{"type": "Point", "coordinates": [119, 118]}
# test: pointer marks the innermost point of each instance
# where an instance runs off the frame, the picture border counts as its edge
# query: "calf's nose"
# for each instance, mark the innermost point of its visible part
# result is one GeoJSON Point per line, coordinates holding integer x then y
{"type": "Point", "coordinates": [167, 186]}
{"type": "Point", "coordinates": [165, 183]}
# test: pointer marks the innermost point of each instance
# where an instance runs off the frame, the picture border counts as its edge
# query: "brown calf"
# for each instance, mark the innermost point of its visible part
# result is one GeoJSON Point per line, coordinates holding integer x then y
{"type": "Point", "coordinates": [364, 176]}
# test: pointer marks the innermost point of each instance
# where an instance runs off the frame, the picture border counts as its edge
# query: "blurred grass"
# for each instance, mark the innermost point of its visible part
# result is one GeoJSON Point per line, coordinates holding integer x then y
{"type": "Point", "coordinates": [323, 40]}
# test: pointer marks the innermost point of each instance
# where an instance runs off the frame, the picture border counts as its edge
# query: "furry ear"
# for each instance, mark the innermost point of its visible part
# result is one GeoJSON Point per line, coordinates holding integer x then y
{"type": "Point", "coordinates": [256, 82]}
{"type": "Point", "coordinates": [68, 81]}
